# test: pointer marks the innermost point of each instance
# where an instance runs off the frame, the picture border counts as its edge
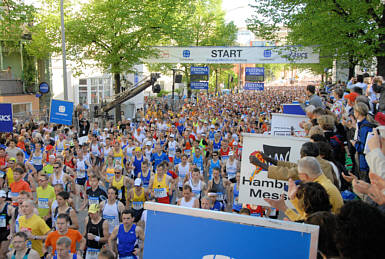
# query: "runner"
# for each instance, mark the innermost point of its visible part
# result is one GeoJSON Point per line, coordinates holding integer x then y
{"type": "Point", "coordinates": [145, 174]}
{"type": "Point", "coordinates": [63, 208]}
{"type": "Point", "coordinates": [112, 208]}
{"type": "Point", "coordinates": [62, 229]}
{"type": "Point", "coordinates": [95, 195]}
{"type": "Point", "coordinates": [213, 163]}
{"type": "Point", "coordinates": [182, 171]}
{"type": "Point", "coordinates": [34, 226]}
{"type": "Point", "coordinates": [45, 195]}
{"type": "Point", "coordinates": [6, 214]}
{"type": "Point", "coordinates": [220, 185]}
{"type": "Point", "coordinates": [161, 184]}
{"type": "Point", "coordinates": [188, 199]}
{"type": "Point", "coordinates": [20, 249]}
{"type": "Point", "coordinates": [136, 198]}
{"type": "Point", "coordinates": [96, 232]}
{"type": "Point", "coordinates": [124, 237]}
{"type": "Point", "coordinates": [231, 167]}
{"type": "Point", "coordinates": [63, 246]}
{"type": "Point", "coordinates": [234, 193]}
{"type": "Point", "coordinates": [121, 183]}
{"type": "Point", "coordinates": [197, 185]}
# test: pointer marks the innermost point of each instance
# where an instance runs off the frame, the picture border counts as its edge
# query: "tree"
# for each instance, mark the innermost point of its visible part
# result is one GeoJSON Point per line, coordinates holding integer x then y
{"type": "Point", "coordinates": [117, 34]}
{"type": "Point", "coordinates": [352, 30]}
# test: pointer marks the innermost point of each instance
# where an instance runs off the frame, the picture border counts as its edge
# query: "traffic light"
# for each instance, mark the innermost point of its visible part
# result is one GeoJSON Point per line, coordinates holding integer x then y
{"type": "Point", "coordinates": [156, 89]}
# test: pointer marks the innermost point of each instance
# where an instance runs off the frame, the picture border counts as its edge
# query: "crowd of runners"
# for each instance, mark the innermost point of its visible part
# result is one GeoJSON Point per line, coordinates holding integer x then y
{"type": "Point", "coordinates": [191, 157]}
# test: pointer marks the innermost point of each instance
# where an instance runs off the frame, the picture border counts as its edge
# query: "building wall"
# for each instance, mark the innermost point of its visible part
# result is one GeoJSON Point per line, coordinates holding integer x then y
{"type": "Point", "coordinates": [20, 99]}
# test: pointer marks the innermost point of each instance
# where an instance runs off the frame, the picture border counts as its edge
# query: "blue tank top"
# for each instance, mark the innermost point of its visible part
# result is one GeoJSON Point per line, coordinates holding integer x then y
{"type": "Point", "coordinates": [211, 135]}
{"type": "Point", "coordinates": [198, 161]}
{"type": "Point", "coordinates": [37, 160]}
{"type": "Point", "coordinates": [217, 146]}
{"type": "Point", "coordinates": [177, 160]}
{"type": "Point", "coordinates": [126, 241]}
{"type": "Point", "coordinates": [212, 166]}
{"type": "Point", "coordinates": [236, 206]}
{"type": "Point", "coordinates": [146, 180]}
{"type": "Point", "coordinates": [138, 166]}
{"type": "Point", "coordinates": [74, 256]}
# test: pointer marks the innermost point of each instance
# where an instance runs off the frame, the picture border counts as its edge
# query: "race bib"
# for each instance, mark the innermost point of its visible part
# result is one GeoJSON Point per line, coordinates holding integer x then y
{"type": "Point", "coordinates": [42, 203]}
{"type": "Point", "coordinates": [3, 221]}
{"type": "Point", "coordinates": [220, 196]}
{"type": "Point", "coordinates": [81, 174]}
{"type": "Point", "coordinates": [197, 194]}
{"type": "Point", "coordinates": [92, 253]}
{"type": "Point", "coordinates": [137, 205]}
{"type": "Point", "coordinates": [110, 219]}
{"type": "Point", "coordinates": [93, 200]}
{"type": "Point", "coordinates": [2, 174]}
{"type": "Point", "coordinates": [160, 192]}
{"type": "Point", "coordinates": [120, 194]}
{"type": "Point", "coordinates": [236, 201]}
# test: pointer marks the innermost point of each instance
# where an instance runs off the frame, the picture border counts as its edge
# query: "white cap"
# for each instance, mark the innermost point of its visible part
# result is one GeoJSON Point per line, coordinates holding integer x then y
{"type": "Point", "coordinates": [172, 136]}
{"type": "Point", "coordinates": [105, 129]}
{"type": "Point", "coordinates": [148, 143]}
{"type": "Point", "coordinates": [212, 126]}
{"type": "Point", "coordinates": [137, 182]}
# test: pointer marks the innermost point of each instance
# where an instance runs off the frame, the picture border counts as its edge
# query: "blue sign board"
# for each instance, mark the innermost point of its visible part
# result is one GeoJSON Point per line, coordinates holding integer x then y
{"type": "Point", "coordinates": [293, 109]}
{"type": "Point", "coordinates": [44, 88]}
{"type": "Point", "coordinates": [200, 85]}
{"type": "Point", "coordinates": [199, 70]}
{"type": "Point", "coordinates": [61, 112]}
{"type": "Point", "coordinates": [136, 79]}
{"type": "Point", "coordinates": [212, 238]}
{"type": "Point", "coordinates": [6, 122]}
{"type": "Point", "coordinates": [255, 71]}
{"type": "Point", "coordinates": [254, 86]}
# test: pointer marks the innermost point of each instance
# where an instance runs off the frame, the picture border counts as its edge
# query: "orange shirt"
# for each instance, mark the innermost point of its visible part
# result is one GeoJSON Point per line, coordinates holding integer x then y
{"type": "Point", "coordinates": [72, 234]}
{"type": "Point", "coordinates": [17, 187]}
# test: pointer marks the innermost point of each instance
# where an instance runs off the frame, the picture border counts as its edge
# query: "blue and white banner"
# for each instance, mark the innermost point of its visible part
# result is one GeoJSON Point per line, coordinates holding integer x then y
{"type": "Point", "coordinates": [211, 234]}
{"type": "Point", "coordinates": [199, 70]}
{"type": "Point", "coordinates": [255, 71]}
{"type": "Point", "coordinates": [254, 86]}
{"type": "Point", "coordinates": [235, 55]}
{"type": "Point", "coordinates": [199, 85]}
{"type": "Point", "coordinates": [6, 122]}
{"type": "Point", "coordinates": [61, 112]}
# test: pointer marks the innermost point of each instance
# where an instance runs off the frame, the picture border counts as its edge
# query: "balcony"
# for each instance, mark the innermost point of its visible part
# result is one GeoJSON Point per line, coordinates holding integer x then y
{"type": "Point", "coordinates": [11, 87]}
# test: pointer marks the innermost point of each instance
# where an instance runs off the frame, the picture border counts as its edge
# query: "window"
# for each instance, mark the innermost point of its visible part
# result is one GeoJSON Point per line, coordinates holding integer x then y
{"type": "Point", "coordinates": [82, 81]}
{"type": "Point", "coordinates": [21, 108]}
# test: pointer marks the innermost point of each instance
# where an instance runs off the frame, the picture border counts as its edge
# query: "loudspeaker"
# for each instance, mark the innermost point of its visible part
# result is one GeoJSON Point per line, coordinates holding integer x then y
{"type": "Point", "coordinates": [156, 89]}
{"type": "Point", "coordinates": [178, 79]}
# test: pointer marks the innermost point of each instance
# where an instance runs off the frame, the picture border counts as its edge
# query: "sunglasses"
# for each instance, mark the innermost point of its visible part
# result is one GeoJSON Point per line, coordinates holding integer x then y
{"type": "Point", "coordinates": [56, 167]}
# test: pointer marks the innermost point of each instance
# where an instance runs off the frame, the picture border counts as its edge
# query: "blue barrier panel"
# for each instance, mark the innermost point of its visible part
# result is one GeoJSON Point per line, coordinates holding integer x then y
{"type": "Point", "coordinates": [293, 109]}
{"type": "Point", "coordinates": [61, 112]}
{"type": "Point", "coordinates": [208, 234]}
{"type": "Point", "coordinates": [6, 122]}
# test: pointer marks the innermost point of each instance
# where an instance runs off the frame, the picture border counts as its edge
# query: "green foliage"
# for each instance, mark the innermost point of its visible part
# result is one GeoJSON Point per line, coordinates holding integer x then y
{"type": "Point", "coordinates": [29, 72]}
{"type": "Point", "coordinates": [162, 93]}
{"type": "Point", "coordinates": [351, 30]}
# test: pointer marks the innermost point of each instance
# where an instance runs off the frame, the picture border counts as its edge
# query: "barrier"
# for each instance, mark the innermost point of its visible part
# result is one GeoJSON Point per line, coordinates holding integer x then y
{"type": "Point", "coordinates": [178, 232]}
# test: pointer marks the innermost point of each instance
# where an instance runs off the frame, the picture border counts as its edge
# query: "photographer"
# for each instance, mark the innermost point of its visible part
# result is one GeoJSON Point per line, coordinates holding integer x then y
{"type": "Point", "coordinates": [379, 87]}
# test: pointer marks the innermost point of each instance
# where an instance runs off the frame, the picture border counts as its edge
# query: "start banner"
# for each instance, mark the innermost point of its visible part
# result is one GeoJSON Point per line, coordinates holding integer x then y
{"type": "Point", "coordinates": [253, 190]}
{"type": "Point", "coordinates": [235, 55]}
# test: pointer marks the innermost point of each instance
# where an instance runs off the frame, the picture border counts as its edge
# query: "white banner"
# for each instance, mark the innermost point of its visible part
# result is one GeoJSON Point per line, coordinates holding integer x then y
{"type": "Point", "coordinates": [235, 55]}
{"type": "Point", "coordinates": [286, 124]}
{"type": "Point", "coordinates": [280, 148]}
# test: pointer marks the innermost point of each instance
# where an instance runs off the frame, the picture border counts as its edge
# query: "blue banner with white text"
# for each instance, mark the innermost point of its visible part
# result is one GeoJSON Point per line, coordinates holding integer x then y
{"type": "Point", "coordinates": [6, 122]}
{"type": "Point", "coordinates": [61, 112]}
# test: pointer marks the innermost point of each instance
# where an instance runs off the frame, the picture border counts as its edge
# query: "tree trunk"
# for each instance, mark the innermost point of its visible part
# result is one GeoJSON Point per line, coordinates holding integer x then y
{"type": "Point", "coordinates": [118, 113]}
{"type": "Point", "coordinates": [381, 66]}
{"type": "Point", "coordinates": [352, 66]}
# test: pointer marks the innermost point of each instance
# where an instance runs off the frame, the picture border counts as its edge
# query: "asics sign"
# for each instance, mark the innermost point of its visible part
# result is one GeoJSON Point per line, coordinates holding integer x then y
{"type": "Point", "coordinates": [6, 121]}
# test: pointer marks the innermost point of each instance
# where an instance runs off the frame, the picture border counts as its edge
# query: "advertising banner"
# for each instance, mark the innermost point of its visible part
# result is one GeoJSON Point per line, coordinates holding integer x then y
{"type": "Point", "coordinates": [199, 85]}
{"type": "Point", "coordinates": [255, 71]}
{"type": "Point", "coordinates": [6, 121]}
{"type": "Point", "coordinates": [254, 86]}
{"type": "Point", "coordinates": [253, 190]}
{"type": "Point", "coordinates": [61, 112]}
{"type": "Point", "coordinates": [235, 55]}
{"type": "Point", "coordinates": [287, 125]}
{"type": "Point", "coordinates": [219, 235]}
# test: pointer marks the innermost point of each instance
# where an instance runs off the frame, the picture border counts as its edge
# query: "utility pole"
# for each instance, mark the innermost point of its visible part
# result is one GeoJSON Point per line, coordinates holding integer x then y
{"type": "Point", "coordinates": [63, 46]}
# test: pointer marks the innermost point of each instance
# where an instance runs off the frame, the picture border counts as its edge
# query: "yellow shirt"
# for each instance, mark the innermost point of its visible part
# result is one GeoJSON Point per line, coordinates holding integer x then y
{"type": "Point", "coordinates": [118, 156]}
{"type": "Point", "coordinates": [10, 176]}
{"type": "Point", "coordinates": [160, 187]}
{"type": "Point", "coordinates": [335, 199]}
{"type": "Point", "coordinates": [120, 186]}
{"type": "Point", "coordinates": [137, 201]}
{"type": "Point", "coordinates": [44, 196]}
{"type": "Point", "coordinates": [38, 227]}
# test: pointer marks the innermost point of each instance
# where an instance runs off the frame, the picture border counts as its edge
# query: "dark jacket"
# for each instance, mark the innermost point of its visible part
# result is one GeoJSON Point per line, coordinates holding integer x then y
{"type": "Point", "coordinates": [364, 127]}
{"type": "Point", "coordinates": [83, 129]}
{"type": "Point", "coordinates": [381, 90]}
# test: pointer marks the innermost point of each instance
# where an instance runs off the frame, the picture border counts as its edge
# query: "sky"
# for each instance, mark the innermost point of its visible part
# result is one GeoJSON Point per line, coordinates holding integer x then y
{"type": "Point", "coordinates": [238, 11]}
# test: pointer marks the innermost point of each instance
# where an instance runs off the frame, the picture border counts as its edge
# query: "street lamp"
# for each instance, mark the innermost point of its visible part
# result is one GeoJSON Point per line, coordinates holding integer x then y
{"type": "Point", "coordinates": [63, 46]}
